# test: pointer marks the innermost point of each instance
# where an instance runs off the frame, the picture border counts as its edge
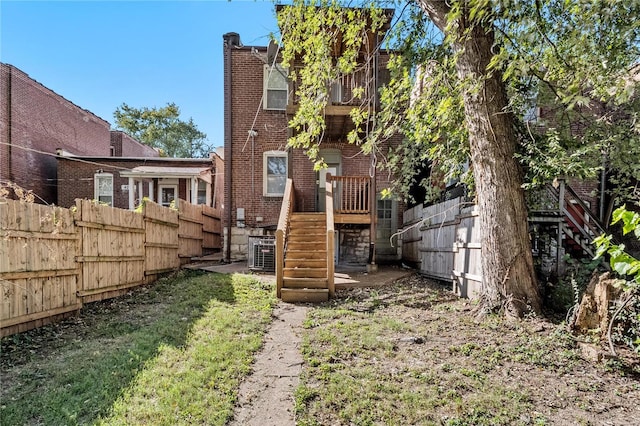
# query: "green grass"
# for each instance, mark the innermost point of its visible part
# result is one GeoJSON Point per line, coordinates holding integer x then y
{"type": "Point", "coordinates": [363, 368]}
{"type": "Point", "coordinates": [171, 354]}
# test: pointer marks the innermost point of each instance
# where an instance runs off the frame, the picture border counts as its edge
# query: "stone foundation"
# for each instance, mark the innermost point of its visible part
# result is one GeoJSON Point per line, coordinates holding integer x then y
{"type": "Point", "coordinates": [354, 246]}
{"type": "Point", "coordinates": [240, 242]}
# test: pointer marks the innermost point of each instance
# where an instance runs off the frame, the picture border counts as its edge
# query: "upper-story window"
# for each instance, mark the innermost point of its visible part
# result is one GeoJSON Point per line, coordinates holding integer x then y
{"type": "Point", "coordinates": [275, 173]}
{"type": "Point", "coordinates": [103, 188]}
{"type": "Point", "coordinates": [276, 87]}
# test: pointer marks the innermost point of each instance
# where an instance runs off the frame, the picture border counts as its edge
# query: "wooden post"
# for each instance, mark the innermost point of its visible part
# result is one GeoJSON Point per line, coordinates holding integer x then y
{"type": "Point", "coordinates": [279, 261]}
{"type": "Point", "coordinates": [560, 223]}
{"type": "Point", "coordinates": [330, 236]}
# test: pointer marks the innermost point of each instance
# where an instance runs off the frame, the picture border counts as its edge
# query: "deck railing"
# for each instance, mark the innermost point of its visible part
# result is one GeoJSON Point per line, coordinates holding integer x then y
{"type": "Point", "coordinates": [288, 204]}
{"type": "Point", "coordinates": [343, 91]}
{"type": "Point", "coordinates": [352, 194]}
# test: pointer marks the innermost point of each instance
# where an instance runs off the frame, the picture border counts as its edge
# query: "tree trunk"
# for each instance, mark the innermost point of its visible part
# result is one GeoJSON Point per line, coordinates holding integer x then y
{"type": "Point", "coordinates": [509, 279]}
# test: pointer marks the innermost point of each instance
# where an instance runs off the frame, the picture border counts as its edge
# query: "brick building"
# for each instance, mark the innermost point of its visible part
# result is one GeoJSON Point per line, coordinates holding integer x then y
{"type": "Point", "coordinates": [34, 123]}
{"type": "Point", "coordinates": [259, 103]}
{"type": "Point", "coordinates": [123, 181]}
{"type": "Point", "coordinates": [123, 145]}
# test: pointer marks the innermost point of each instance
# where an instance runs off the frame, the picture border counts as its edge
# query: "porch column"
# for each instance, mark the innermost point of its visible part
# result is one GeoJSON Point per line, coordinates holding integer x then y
{"type": "Point", "coordinates": [140, 193]}
{"type": "Point", "coordinates": [131, 186]}
{"type": "Point", "coordinates": [151, 194]}
{"type": "Point", "coordinates": [194, 190]}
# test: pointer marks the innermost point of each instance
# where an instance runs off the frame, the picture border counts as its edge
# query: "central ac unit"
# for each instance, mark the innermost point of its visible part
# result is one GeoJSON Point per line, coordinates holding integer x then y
{"type": "Point", "coordinates": [262, 253]}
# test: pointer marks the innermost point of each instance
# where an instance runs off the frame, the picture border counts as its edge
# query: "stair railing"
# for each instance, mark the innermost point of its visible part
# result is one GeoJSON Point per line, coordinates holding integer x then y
{"type": "Point", "coordinates": [578, 222]}
{"type": "Point", "coordinates": [330, 236]}
{"type": "Point", "coordinates": [287, 207]}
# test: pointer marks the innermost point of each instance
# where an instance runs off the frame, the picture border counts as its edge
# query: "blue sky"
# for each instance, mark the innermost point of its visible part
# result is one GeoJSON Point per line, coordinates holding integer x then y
{"type": "Point", "coordinates": [99, 54]}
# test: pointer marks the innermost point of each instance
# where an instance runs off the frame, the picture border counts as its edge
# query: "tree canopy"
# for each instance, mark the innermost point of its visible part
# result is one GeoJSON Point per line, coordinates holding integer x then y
{"type": "Point", "coordinates": [163, 129]}
{"type": "Point", "coordinates": [465, 77]}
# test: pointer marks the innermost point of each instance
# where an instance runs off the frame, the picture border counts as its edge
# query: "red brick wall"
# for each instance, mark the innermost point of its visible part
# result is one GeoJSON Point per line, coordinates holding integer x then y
{"type": "Point", "coordinates": [126, 146]}
{"type": "Point", "coordinates": [76, 178]}
{"type": "Point", "coordinates": [246, 155]}
{"type": "Point", "coordinates": [5, 128]}
{"type": "Point", "coordinates": [42, 120]}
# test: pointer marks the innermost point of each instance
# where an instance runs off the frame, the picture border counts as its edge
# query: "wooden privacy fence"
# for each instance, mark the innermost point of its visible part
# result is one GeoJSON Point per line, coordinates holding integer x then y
{"type": "Point", "coordinates": [211, 229]}
{"type": "Point", "coordinates": [444, 239]}
{"type": "Point", "coordinates": [39, 275]}
{"type": "Point", "coordinates": [52, 260]}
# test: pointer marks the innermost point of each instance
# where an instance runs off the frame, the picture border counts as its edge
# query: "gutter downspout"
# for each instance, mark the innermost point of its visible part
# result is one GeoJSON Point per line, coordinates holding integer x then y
{"type": "Point", "coordinates": [230, 40]}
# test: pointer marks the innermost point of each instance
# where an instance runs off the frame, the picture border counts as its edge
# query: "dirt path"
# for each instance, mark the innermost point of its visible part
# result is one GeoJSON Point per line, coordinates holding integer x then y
{"type": "Point", "coordinates": [265, 397]}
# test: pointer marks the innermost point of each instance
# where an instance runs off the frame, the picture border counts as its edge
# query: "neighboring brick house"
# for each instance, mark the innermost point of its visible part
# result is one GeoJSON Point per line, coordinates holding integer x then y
{"type": "Point", "coordinates": [122, 182]}
{"type": "Point", "coordinates": [259, 103]}
{"type": "Point", "coordinates": [34, 123]}
{"type": "Point", "coordinates": [123, 145]}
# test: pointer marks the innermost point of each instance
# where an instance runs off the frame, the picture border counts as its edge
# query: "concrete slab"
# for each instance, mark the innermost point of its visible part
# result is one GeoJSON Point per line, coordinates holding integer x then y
{"type": "Point", "coordinates": [346, 276]}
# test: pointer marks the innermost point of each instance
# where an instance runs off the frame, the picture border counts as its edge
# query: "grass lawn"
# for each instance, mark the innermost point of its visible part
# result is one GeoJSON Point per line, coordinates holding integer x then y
{"type": "Point", "coordinates": [168, 354]}
{"type": "Point", "coordinates": [412, 354]}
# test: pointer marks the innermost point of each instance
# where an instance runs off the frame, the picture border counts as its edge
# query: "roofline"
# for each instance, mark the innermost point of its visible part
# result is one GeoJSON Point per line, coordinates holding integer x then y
{"type": "Point", "coordinates": [54, 92]}
{"type": "Point", "coordinates": [146, 159]}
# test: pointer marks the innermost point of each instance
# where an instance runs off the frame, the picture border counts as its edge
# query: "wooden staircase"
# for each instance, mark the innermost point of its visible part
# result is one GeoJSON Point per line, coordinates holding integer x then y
{"type": "Point", "coordinates": [305, 263]}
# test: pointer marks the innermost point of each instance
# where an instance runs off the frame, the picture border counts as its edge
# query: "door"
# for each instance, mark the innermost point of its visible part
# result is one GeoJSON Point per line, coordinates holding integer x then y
{"type": "Point", "coordinates": [168, 193]}
{"type": "Point", "coordinates": [333, 159]}
{"type": "Point", "coordinates": [386, 226]}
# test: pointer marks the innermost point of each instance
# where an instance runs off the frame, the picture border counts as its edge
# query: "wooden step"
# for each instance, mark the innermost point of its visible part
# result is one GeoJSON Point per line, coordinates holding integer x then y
{"type": "Point", "coordinates": [308, 237]}
{"type": "Point", "coordinates": [306, 245]}
{"type": "Point", "coordinates": [312, 295]}
{"type": "Point", "coordinates": [308, 217]}
{"type": "Point", "coordinates": [305, 230]}
{"type": "Point", "coordinates": [305, 263]}
{"type": "Point", "coordinates": [304, 282]}
{"type": "Point", "coordinates": [305, 272]}
{"type": "Point", "coordinates": [305, 254]}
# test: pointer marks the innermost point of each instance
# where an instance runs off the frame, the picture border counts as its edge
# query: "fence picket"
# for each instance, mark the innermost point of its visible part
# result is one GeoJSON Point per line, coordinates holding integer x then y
{"type": "Point", "coordinates": [52, 260]}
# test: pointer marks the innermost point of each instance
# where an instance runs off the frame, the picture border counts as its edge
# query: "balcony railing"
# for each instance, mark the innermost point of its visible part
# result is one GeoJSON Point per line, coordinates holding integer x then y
{"type": "Point", "coordinates": [343, 91]}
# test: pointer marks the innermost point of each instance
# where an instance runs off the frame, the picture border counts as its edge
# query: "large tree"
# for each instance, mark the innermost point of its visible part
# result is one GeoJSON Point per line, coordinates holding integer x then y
{"type": "Point", "coordinates": [163, 129]}
{"type": "Point", "coordinates": [464, 74]}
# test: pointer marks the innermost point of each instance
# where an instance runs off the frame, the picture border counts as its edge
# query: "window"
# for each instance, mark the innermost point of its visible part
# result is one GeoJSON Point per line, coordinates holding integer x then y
{"type": "Point", "coordinates": [103, 188]}
{"type": "Point", "coordinates": [202, 192]}
{"type": "Point", "coordinates": [276, 87]}
{"type": "Point", "coordinates": [275, 173]}
{"type": "Point", "coordinates": [168, 195]}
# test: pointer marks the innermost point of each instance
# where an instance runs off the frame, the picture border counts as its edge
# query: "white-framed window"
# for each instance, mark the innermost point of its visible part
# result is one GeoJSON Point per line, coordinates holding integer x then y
{"type": "Point", "coordinates": [103, 188]}
{"type": "Point", "coordinates": [167, 194]}
{"type": "Point", "coordinates": [202, 192]}
{"type": "Point", "coordinates": [276, 87]}
{"type": "Point", "coordinates": [275, 173]}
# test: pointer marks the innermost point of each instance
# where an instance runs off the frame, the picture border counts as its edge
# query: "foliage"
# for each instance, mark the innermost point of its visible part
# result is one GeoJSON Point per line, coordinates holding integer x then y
{"type": "Point", "coordinates": [568, 291]}
{"type": "Point", "coordinates": [622, 262]}
{"type": "Point", "coordinates": [162, 128]}
{"type": "Point", "coordinates": [573, 56]}
{"type": "Point", "coordinates": [309, 33]}
{"type": "Point", "coordinates": [12, 189]}
{"type": "Point", "coordinates": [628, 329]}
